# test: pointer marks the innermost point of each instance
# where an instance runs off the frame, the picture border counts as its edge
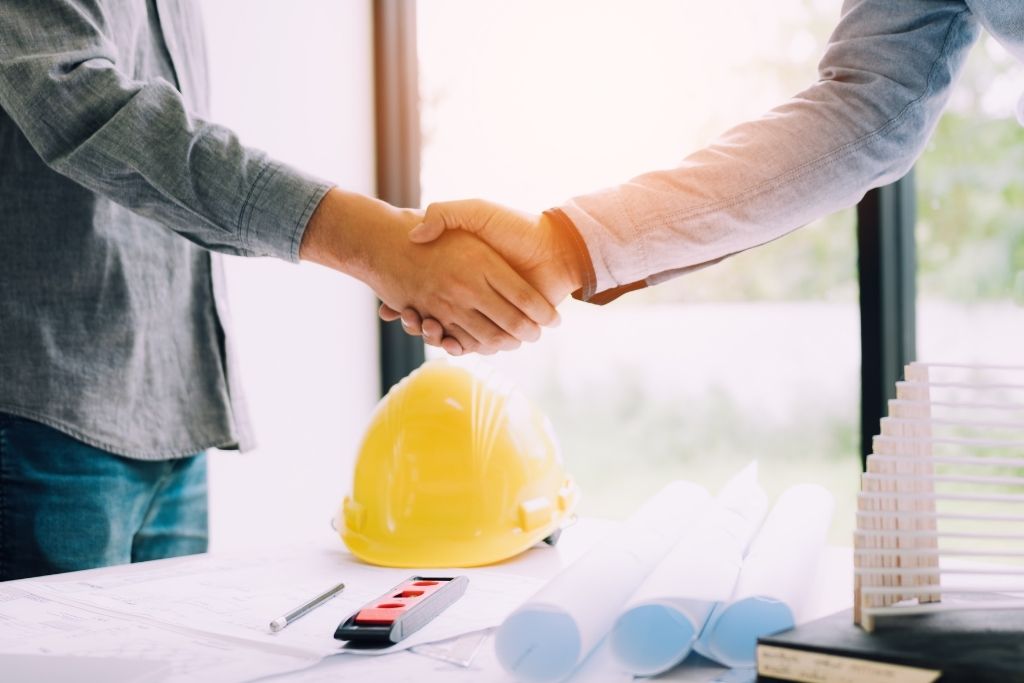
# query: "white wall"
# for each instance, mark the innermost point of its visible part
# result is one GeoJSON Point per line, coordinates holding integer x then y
{"type": "Point", "coordinates": [296, 80]}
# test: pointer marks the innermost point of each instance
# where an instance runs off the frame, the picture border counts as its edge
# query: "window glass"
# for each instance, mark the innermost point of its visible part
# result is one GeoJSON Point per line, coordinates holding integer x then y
{"type": "Point", "coordinates": [970, 228]}
{"type": "Point", "coordinates": [970, 259]}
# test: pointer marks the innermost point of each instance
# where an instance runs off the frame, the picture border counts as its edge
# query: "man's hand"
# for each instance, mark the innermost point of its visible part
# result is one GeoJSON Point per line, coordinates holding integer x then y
{"type": "Point", "coordinates": [459, 281]}
{"type": "Point", "coordinates": [529, 242]}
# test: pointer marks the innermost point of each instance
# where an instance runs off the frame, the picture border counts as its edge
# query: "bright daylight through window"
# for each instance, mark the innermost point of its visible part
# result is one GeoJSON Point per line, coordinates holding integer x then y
{"type": "Point", "coordinates": [755, 358]}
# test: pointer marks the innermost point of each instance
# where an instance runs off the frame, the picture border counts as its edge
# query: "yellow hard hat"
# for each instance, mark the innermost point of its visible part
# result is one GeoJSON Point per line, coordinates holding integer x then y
{"type": "Point", "coordinates": [456, 470]}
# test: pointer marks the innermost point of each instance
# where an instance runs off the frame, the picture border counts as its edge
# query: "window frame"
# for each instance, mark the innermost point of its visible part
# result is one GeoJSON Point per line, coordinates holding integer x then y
{"type": "Point", "coordinates": [398, 143]}
{"type": "Point", "coordinates": [886, 273]}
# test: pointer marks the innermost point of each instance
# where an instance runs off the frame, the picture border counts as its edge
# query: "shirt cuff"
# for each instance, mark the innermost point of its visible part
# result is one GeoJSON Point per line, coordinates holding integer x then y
{"type": "Point", "coordinates": [616, 250]}
{"type": "Point", "coordinates": [599, 286]}
{"type": "Point", "coordinates": [280, 204]}
{"type": "Point", "coordinates": [568, 234]}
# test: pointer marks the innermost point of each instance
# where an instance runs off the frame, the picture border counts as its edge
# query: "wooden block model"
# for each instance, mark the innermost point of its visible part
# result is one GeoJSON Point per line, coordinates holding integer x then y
{"type": "Point", "coordinates": [940, 513]}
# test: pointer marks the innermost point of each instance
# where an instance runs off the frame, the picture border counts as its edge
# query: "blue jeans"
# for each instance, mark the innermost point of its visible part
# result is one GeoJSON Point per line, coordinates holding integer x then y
{"type": "Point", "coordinates": [66, 506]}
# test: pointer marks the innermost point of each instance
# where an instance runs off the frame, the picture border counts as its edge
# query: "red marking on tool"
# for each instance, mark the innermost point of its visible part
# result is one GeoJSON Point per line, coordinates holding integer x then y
{"type": "Point", "coordinates": [402, 611]}
{"type": "Point", "coordinates": [404, 597]}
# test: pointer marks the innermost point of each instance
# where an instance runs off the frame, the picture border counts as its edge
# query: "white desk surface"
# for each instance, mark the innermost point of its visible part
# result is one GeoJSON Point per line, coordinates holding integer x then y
{"type": "Point", "coordinates": [831, 592]}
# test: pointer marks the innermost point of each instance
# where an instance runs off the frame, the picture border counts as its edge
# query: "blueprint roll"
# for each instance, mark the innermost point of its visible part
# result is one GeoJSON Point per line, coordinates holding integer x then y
{"type": "Point", "coordinates": [776, 572]}
{"type": "Point", "coordinates": [552, 632]}
{"type": "Point", "coordinates": [662, 620]}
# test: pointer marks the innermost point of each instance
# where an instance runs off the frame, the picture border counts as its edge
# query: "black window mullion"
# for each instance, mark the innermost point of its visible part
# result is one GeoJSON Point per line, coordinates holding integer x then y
{"type": "Point", "coordinates": [886, 271]}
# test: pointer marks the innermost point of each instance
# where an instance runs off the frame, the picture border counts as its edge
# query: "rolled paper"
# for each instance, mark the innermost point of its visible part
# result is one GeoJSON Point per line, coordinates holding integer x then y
{"type": "Point", "coordinates": [552, 632]}
{"type": "Point", "coordinates": [773, 581]}
{"type": "Point", "coordinates": [660, 623]}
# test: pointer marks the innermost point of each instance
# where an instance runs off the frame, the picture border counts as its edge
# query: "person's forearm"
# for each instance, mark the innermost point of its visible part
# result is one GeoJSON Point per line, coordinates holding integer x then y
{"type": "Point", "coordinates": [344, 233]}
{"type": "Point", "coordinates": [137, 142]}
{"type": "Point", "coordinates": [884, 81]}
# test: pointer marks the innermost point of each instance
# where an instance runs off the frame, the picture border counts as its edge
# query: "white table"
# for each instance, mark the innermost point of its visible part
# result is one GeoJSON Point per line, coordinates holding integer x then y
{"type": "Point", "coordinates": [67, 623]}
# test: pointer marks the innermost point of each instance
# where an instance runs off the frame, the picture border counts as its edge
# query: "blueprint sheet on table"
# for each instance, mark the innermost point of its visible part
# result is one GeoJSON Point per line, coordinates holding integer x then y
{"type": "Point", "coordinates": [196, 614]}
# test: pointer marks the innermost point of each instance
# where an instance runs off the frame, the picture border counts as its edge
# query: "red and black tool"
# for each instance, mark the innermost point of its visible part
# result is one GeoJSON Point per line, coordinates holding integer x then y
{"type": "Point", "coordinates": [401, 611]}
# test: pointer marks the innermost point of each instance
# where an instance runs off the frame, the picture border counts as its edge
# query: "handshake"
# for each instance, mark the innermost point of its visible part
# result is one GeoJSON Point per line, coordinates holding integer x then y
{"type": "Point", "coordinates": [469, 276]}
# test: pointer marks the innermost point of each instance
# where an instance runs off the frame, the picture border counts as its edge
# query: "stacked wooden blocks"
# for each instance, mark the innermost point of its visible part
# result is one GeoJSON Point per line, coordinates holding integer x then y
{"type": "Point", "coordinates": [940, 514]}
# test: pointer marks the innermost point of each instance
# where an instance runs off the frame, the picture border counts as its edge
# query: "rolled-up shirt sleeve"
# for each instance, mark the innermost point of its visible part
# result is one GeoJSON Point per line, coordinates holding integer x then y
{"type": "Point", "coordinates": [883, 82]}
{"type": "Point", "coordinates": [136, 142]}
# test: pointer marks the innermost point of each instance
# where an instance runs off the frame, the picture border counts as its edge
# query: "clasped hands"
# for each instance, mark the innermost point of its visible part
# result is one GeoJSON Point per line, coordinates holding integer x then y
{"type": "Point", "coordinates": [470, 276]}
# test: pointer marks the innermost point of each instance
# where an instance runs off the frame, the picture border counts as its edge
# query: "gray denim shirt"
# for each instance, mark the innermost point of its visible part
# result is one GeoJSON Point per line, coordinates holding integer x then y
{"type": "Point", "coordinates": [113, 185]}
{"type": "Point", "coordinates": [883, 83]}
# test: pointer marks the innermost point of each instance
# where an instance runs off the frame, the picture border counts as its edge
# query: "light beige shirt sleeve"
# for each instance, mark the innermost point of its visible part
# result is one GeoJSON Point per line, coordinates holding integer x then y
{"type": "Point", "coordinates": [884, 80]}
